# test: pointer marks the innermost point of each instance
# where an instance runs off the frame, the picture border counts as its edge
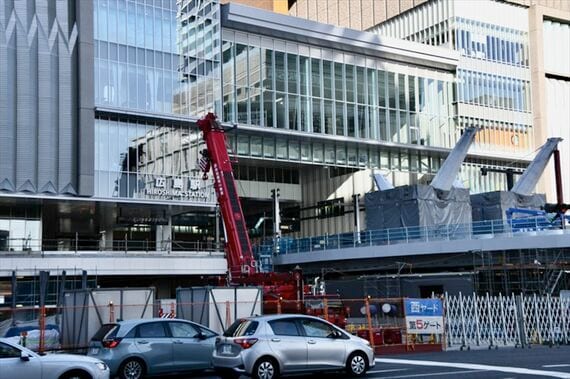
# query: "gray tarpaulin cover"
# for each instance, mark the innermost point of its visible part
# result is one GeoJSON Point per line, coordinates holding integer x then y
{"type": "Point", "coordinates": [492, 205]}
{"type": "Point", "coordinates": [416, 205]}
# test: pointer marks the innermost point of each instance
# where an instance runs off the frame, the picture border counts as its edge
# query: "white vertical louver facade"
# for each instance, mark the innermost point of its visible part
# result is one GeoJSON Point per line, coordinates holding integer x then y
{"type": "Point", "coordinates": [427, 23]}
{"type": "Point", "coordinates": [556, 42]}
{"type": "Point", "coordinates": [493, 75]}
{"type": "Point", "coordinates": [558, 125]}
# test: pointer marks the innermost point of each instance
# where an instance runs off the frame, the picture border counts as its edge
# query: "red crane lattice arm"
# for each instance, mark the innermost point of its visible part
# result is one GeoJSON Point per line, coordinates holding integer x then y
{"type": "Point", "coordinates": [238, 246]}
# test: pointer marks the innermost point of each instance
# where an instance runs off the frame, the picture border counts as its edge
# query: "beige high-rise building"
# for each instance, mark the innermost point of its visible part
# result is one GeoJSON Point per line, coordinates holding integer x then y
{"type": "Point", "coordinates": [354, 14]}
{"type": "Point", "coordinates": [364, 14]}
{"type": "Point", "coordinates": [277, 6]}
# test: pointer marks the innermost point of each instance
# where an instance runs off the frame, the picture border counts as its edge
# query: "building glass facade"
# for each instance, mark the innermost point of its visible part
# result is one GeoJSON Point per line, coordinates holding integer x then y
{"type": "Point", "coordinates": [285, 85]}
{"type": "Point", "coordinates": [157, 56]}
{"type": "Point", "coordinates": [151, 161]}
{"type": "Point", "coordinates": [136, 55]}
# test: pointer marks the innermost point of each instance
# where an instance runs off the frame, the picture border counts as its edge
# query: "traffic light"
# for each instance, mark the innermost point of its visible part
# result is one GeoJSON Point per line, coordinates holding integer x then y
{"type": "Point", "coordinates": [291, 219]}
{"type": "Point", "coordinates": [275, 192]}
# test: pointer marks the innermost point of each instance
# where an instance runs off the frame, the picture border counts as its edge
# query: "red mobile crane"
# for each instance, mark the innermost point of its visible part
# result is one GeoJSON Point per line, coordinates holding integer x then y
{"type": "Point", "coordinates": [242, 269]}
{"type": "Point", "coordinates": [285, 289]}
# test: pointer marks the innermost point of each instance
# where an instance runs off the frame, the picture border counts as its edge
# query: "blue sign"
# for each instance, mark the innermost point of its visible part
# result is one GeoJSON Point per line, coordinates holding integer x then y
{"type": "Point", "coordinates": [423, 307]}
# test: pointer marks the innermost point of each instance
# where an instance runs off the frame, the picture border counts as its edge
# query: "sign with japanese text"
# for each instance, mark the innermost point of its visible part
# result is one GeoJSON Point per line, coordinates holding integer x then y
{"type": "Point", "coordinates": [424, 316]}
{"type": "Point", "coordinates": [186, 188]}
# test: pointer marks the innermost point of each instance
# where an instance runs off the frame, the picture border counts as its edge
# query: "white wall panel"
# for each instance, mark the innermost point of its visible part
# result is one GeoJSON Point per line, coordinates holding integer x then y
{"type": "Point", "coordinates": [493, 12]}
{"type": "Point", "coordinates": [556, 38]}
{"type": "Point", "coordinates": [558, 119]}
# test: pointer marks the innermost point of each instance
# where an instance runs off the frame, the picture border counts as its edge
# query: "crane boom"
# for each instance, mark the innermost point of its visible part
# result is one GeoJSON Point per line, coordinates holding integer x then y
{"type": "Point", "coordinates": [282, 291]}
{"type": "Point", "coordinates": [239, 253]}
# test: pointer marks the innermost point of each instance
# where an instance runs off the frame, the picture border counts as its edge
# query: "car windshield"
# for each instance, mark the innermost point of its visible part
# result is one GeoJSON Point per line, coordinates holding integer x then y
{"type": "Point", "coordinates": [105, 332]}
{"type": "Point", "coordinates": [241, 328]}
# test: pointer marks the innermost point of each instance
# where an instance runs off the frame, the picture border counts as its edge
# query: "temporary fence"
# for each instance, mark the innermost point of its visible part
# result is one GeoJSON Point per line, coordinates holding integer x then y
{"type": "Point", "coordinates": [516, 320]}
{"type": "Point", "coordinates": [391, 325]}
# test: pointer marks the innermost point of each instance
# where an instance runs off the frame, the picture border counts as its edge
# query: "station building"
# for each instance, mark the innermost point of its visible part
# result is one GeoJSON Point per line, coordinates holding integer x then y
{"type": "Point", "coordinates": [99, 146]}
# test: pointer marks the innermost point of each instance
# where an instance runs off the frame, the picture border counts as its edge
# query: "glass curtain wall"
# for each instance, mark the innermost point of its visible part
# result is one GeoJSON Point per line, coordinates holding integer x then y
{"type": "Point", "coordinates": [278, 84]}
{"type": "Point", "coordinates": [199, 41]}
{"type": "Point", "coordinates": [136, 57]}
{"type": "Point", "coordinates": [148, 161]}
{"type": "Point", "coordinates": [157, 56]}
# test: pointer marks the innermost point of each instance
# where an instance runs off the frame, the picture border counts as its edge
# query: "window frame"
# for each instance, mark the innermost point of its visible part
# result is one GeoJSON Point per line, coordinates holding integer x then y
{"type": "Point", "coordinates": [186, 324]}
{"type": "Point", "coordinates": [290, 320]}
{"type": "Point", "coordinates": [19, 352]}
{"type": "Point", "coordinates": [166, 330]}
{"type": "Point", "coordinates": [304, 331]}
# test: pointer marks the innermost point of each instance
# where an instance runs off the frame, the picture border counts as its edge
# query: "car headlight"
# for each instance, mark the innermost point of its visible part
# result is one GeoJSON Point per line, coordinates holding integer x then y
{"type": "Point", "coordinates": [102, 366]}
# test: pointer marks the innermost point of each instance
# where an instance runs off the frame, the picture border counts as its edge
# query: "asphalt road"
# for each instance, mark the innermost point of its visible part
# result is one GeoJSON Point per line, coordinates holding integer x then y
{"type": "Point", "coordinates": [504, 363]}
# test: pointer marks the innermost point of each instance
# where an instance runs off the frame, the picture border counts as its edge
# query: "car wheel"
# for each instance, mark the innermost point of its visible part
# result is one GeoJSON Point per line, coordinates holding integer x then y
{"type": "Point", "coordinates": [132, 369]}
{"type": "Point", "coordinates": [265, 368]}
{"type": "Point", "coordinates": [75, 375]}
{"type": "Point", "coordinates": [357, 364]}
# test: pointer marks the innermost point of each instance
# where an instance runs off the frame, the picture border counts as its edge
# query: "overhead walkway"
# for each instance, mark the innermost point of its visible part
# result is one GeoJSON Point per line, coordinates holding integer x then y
{"type": "Point", "coordinates": [532, 233]}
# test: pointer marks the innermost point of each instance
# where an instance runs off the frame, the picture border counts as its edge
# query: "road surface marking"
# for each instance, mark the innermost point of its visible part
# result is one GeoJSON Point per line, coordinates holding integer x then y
{"type": "Point", "coordinates": [560, 365]}
{"type": "Point", "coordinates": [471, 366]}
{"type": "Point", "coordinates": [432, 374]}
{"type": "Point", "coordinates": [390, 370]}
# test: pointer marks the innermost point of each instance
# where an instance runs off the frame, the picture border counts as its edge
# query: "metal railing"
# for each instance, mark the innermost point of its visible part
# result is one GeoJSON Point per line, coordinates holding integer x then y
{"type": "Point", "coordinates": [391, 236]}
{"type": "Point", "coordinates": [78, 245]}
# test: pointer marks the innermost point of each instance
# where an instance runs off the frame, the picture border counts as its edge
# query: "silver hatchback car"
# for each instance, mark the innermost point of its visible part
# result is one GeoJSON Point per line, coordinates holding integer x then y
{"type": "Point", "coordinates": [266, 347]}
{"type": "Point", "coordinates": [136, 348]}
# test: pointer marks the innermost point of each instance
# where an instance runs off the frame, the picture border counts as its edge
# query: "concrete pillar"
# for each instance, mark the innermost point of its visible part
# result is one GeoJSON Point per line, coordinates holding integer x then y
{"type": "Point", "coordinates": [164, 236]}
{"type": "Point", "coordinates": [106, 240]}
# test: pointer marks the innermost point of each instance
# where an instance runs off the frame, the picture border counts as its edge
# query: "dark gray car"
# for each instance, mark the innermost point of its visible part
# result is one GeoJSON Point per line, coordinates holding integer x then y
{"type": "Point", "coordinates": [136, 348]}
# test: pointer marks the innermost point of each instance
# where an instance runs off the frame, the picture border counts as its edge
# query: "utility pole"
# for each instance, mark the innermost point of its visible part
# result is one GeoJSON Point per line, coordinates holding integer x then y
{"type": "Point", "coordinates": [356, 205]}
{"type": "Point", "coordinates": [276, 220]}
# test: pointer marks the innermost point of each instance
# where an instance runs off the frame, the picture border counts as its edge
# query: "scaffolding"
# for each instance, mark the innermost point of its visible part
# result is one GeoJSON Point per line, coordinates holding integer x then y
{"type": "Point", "coordinates": [525, 271]}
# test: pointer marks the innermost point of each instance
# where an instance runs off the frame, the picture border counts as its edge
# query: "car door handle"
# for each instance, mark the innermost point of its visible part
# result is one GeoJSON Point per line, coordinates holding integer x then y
{"type": "Point", "coordinates": [275, 340]}
{"type": "Point", "coordinates": [177, 342]}
{"type": "Point", "coordinates": [312, 342]}
{"type": "Point", "coordinates": [142, 342]}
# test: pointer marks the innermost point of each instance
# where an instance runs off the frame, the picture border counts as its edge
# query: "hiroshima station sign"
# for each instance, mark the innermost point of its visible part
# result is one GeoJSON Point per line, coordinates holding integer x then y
{"type": "Point", "coordinates": [192, 188]}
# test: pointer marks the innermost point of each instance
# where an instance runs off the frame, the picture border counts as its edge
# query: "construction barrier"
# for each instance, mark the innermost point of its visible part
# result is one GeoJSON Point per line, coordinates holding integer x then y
{"type": "Point", "coordinates": [393, 325]}
{"type": "Point", "coordinates": [493, 321]}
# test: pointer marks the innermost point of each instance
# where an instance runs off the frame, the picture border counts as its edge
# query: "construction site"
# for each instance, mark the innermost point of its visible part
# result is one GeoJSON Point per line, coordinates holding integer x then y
{"type": "Point", "coordinates": [467, 259]}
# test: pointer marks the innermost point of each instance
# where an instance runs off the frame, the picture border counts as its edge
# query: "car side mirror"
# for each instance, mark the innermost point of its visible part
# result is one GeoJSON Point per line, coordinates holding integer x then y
{"type": "Point", "coordinates": [24, 356]}
{"type": "Point", "coordinates": [336, 334]}
{"type": "Point", "coordinates": [201, 336]}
